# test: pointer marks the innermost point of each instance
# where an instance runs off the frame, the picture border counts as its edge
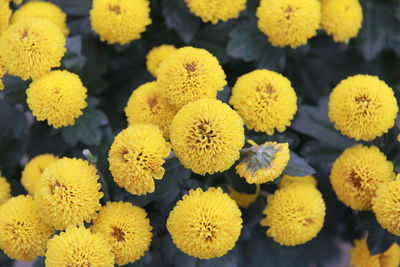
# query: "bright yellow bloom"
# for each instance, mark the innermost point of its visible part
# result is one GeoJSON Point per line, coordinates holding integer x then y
{"type": "Point", "coordinates": [289, 22]}
{"type": "Point", "coordinates": [3, 71]}
{"type": "Point", "coordinates": [5, 14]}
{"type": "Point", "coordinates": [5, 190]}
{"type": "Point", "coordinates": [294, 214]}
{"type": "Point", "coordinates": [58, 97]}
{"type": "Point", "coordinates": [148, 105]}
{"type": "Point", "coordinates": [67, 193]}
{"type": "Point", "coordinates": [244, 200]}
{"type": "Point", "coordinates": [17, 2]}
{"type": "Point", "coordinates": [265, 100]}
{"type": "Point", "coordinates": [190, 74]}
{"type": "Point", "coordinates": [78, 247]}
{"type": "Point", "coordinates": [136, 158]}
{"type": "Point", "coordinates": [120, 21]}
{"type": "Point", "coordinates": [357, 173]}
{"type": "Point", "coordinates": [206, 224]}
{"type": "Point", "coordinates": [33, 169]}
{"type": "Point", "coordinates": [362, 107]}
{"type": "Point", "coordinates": [287, 180]}
{"type": "Point", "coordinates": [23, 234]}
{"type": "Point", "coordinates": [31, 47]}
{"type": "Point", "coordinates": [207, 136]}
{"type": "Point", "coordinates": [157, 55]}
{"type": "Point", "coordinates": [361, 257]}
{"type": "Point", "coordinates": [126, 228]}
{"type": "Point", "coordinates": [216, 10]}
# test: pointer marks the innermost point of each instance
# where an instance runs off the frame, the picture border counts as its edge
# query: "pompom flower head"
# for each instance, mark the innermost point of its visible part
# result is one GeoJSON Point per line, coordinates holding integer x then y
{"type": "Point", "coordinates": [294, 214]}
{"type": "Point", "coordinates": [265, 100]}
{"type": "Point", "coordinates": [287, 180]}
{"type": "Point", "coordinates": [206, 224]}
{"type": "Point", "coordinates": [5, 190]}
{"type": "Point", "coordinates": [244, 200]}
{"type": "Point", "coordinates": [362, 107]}
{"type": "Point", "coordinates": [120, 21]}
{"type": "Point", "coordinates": [58, 97]}
{"type": "Point", "coordinates": [289, 22]}
{"type": "Point", "coordinates": [207, 136]}
{"type": "Point", "coordinates": [157, 55]}
{"type": "Point", "coordinates": [190, 74]}
{"type": "Point", "coordinates": [136, 158]}
{"type": "Point", "coordinates": [357, 173]}
{"type": "Point", "coordinates": [361, 257]}
{"type": "Point", "coordinates": [23, 233]}
{"type": "Point", "coordinates": [67, 193]}
{"type": "Point", "coordinates": [126, 228]}
{"type": "Point", "coordinates": [5, 14]}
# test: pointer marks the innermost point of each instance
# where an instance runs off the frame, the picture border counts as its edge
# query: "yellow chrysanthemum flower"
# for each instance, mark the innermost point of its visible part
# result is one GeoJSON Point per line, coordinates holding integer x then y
{"type": "Point", "coordinates": [207, 136]}
{"type": "Point", "coordinates": [31, 47]}
{"type": "Point", "coordinates": [148, 105]}
{"type": "Point", "coordinates": [5, 14]}
{"type": "Point", "coordinates": [357, 173]}
{"type": "Point", "coordinates": [206, 224]}
{"type": "Point", "coordinates": [77, 246]}
{"type": "Point", "coordinates": [216, 10]}
{"type": "Point", "coordinates": [294, 214]}
{"type": "Point", "coordinates": [120, 21]}
{"type": "Point", "coordinates": [33, 169]}
{"type": "Point", "coordinates": [244, 200]}
{"type": "Point", "coordinates": [287, 180]}
{"type": "Point", "coordinates": [3, 71]}
{"type": "Point", "coordinates": [58, 97]}
{"type": "Point", "coordinates": [136, 158]}
{"type": "Point", "coordinates": [5, 190]}
{"type": "Point", "coordinates": [363, 107]}
{"type": "Point", "coordinates": [288, 22]}
{"type": "Point", "coordinates": [23, 234]}
{"type": "Point", "coordinates": [361, 257]}
{"type": "Point", "coordinates": [126, 228]}
{"type": "Point", "coordinates": [265, 100]}
{"type": "Point", "coordinates": [157, 55]}
{"type": "Point", "coordinates": [67, 193]}
{"type": "Point", "coordinates": [341, 18]}
{"type": "Point", "coordinates": [190, 74]}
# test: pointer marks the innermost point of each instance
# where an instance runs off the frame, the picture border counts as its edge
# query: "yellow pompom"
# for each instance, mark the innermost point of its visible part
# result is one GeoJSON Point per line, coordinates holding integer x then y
{"type": "Point", "coordinates": [244, 200]}
{"type": "Point", "coordinates": [5, 190]}
{"type": "Point", "coordinates": [207, 136]}
{"type": "Point", "coordinates": [361, 257]}
{"type": "Point", "coordinates": [206, 224]}
{"type": "Point", "coordinates": [287, 180]}
{"type": "Point", "coordinates": [190, 74]}
{"type": "Point", "coordinates": [5, 14]}
{"type": "Point", "coordinates": [126, 228]}
{"type": "Point", "coordinates": [156, 56]}
{"type": "Point", "coordinates": [363, 107]}
{"type": "Point", "coordinates": [17, 2]}
{"type": "Point", "coordinates": [3, 71]}
{"type": "Point", "coordinates": [120, 21]}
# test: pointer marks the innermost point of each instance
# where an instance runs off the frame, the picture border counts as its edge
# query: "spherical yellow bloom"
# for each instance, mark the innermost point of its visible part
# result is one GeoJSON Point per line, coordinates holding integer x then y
{"type": "Point", "coordinates": [120, 21]}
{"type": "Point", "coordinates": [5, 190]}
{"type": "Point", "coordinates": [362, 107]}
{"type": "Point", "coordinates": [244, 200]}
{"type": "Point", "coordinates": [58, 97]}
{"type": "Point", "coordinates": [31, 47]}
{"type": "Point", "coordinates": [206, 224]}
{"type": "Point", "coordinates": [207, 136]}
{"type": "Point", "coordinates": [357, 173]}
{"type": "Point", "coordinates": [287, 180]}
{"type": "Point", "coordinates": [216, 10]}
{"type": "Point", "coordinates": [148, 105]}
{"type": "Point", "coordinates": [288, 22]}
{"type": "Point", "coordinates": [23, 234]}
{"type": "Point", "coordinates": [294, 214]}
{"type": "Point", "coordinates": [33, 169]}
{"type": "Point", "coordinates": [136, 157]}
{"type": "Point", "coordinates": [265, 100]}
{"type": "Point", "coordinates": [361, 257]}
{"type": "Point", "coordinates": [126, 228]}
{"type": "Point", "coordinates": [79, 247]}
{"type": "Point", "coordinates": [3, 71]}
{"type": "Point", "coordinates": [156, 56]}
{"type": "Point", "coordinates": [190, 74]}
{"type": "Point", "coordinates": [5, 14]}
{"type": "Point", "coordinates": [67, 193]}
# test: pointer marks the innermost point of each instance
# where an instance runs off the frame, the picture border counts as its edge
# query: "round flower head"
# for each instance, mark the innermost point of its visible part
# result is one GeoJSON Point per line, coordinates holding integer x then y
{"type": "Point", "coordinates": [148, 105]}
{"type": "Point", "coordinates": [67, 193]}
{"type": "Point", "coordinates": [265, 100]}
{"type": "Point", "coordinates": [361, 257]}
{"type": "Point", "coordinates": [136, 157]}
{"type": "Point", "coordinates": [5, 190]}
{"type": "Point", "coordinates": [120, 21]}
{"type": "Point", "coordinates": [156, 56]}
{"type": "Point", "coordinates": [58, 97]}
{"type": "Point", "coordinates": [31, 47]}
{"type": "Point", "coordinates": [287, 180]}
{"type": "Point", "coordinates": [207, 136]}
{"type": "Point", "coordinates": [244, 200]}
{"type": "Point", "coordinates": [33, 170]}
{"type": "Point", "coordinates": [126, 228]}
{"type": "Point", "coordinates": [206, 224]}
{"type": "Point", "coordinates": [363, 107]}
{"type": "Point", "coordinates": [23, 234]}
{"type": "Point", "coordinates": [216, 10]}
{"type": "Point", "coordinates": [3, 71]}
{"type": "Point", "coordinates": [77, 246]}
{"type": "Point", "coordinates": [294, 214]}
{"type": "Point", "coordinates": [190, 74]}
{"type": "Point", "coordinates": [289, 22]}
{"type": "Point", "coordinates": [5, 14]}
{"type": "Point", "coordinates": [357, 173]}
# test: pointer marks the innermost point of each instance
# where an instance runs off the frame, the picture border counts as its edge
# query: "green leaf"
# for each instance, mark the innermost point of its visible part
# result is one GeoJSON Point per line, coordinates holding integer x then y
{"type": "Point", "coordinates": [74, 7]}
{"type": "Point", "coordinates": [298, 166]}
{"type": "Point", "coordinates": [73, 60]}
{"type": "Point", "coordinates": [40, 262]}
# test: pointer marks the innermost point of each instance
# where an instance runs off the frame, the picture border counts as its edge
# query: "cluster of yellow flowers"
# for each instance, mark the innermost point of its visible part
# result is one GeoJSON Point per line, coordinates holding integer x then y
{"type": "Point", "coordinates": [361, 256]}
